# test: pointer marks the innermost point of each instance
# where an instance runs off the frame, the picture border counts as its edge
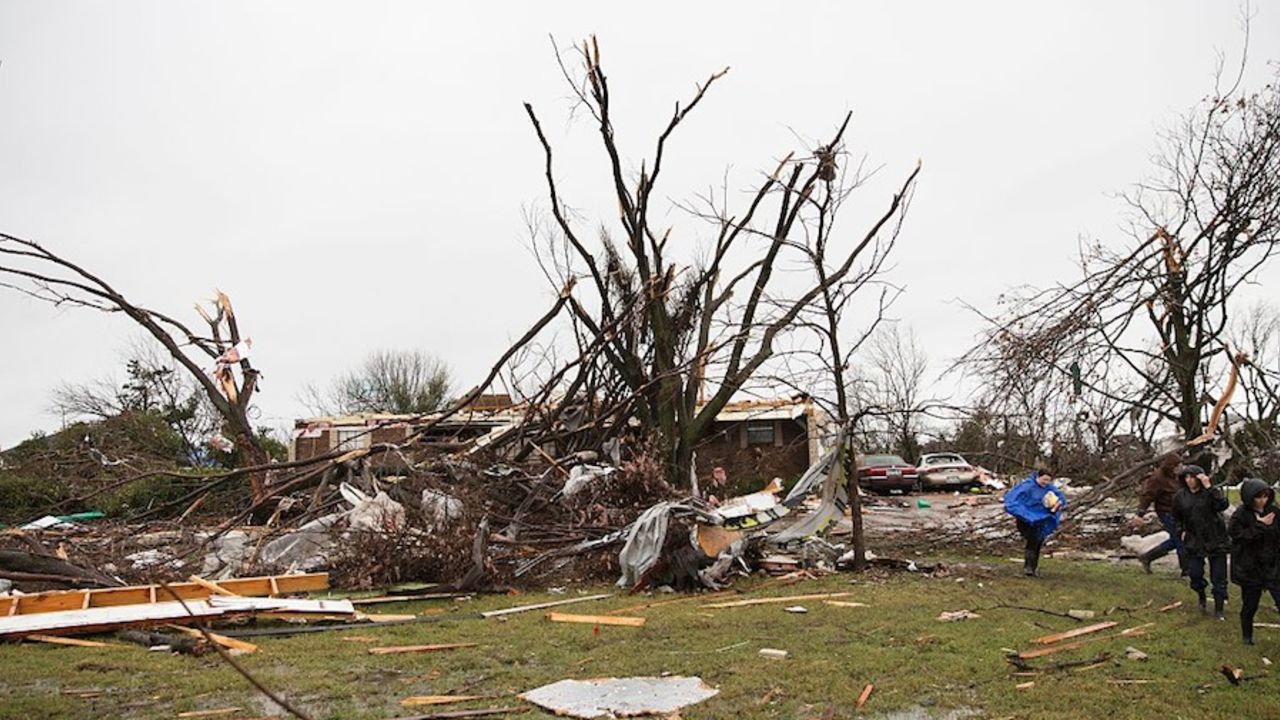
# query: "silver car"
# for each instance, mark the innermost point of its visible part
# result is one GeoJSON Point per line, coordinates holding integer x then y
{"type": "Point", "coordinates": [946, 470]}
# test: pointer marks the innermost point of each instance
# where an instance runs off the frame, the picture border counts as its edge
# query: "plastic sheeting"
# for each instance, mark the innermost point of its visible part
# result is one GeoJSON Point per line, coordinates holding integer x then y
{"type": "Point", "coordinates": [644, 542]}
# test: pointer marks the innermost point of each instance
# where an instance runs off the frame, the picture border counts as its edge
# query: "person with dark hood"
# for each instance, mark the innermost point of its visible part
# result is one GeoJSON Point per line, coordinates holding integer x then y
{"type": "Point", "coordinates": [1255, 550]}
{"type": "Point", "coordinates": [1157, 492]}
{"type": "Point", "coordinates": [1197, 511]}
{"type": "Point", "coordinates": [1036, 505]}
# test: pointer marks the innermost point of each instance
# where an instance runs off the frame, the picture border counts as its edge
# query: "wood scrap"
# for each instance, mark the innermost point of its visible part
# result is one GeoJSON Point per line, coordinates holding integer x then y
{"type": "Point", "coordinates": [1171, 606]}
{"type": "Point", "coordinates": [1059, 637]}
{"type": "Point", "coordinates": [843, 604]}
{"type": "Point", "coordinates": [60, 600]}
{"type": "Point", "coordinates": [483, 712]}
{"type": "Point", "coordinates": [862, 698]}
{"type": "Point", "coordinates": [438, 699]}
{"type": "Point", "coordinates": [208, 713]}
{"type": "Point", "coordinates": [541, 606]}
{"type": "Point", "coordinates": [597, 619]}
{"type": "Point", "coordinates": [400, 649]}
{"type": "Point", "coordinates": [768, 600]}
{"type": "Point", "coordinates": [55, 640]}
{"type": "Point", "coordinates": [1233, 674]}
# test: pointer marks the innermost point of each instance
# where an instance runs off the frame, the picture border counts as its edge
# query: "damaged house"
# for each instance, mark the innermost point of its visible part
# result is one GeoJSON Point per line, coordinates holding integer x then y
{"type": "Point", "coordinates": [754, 440]}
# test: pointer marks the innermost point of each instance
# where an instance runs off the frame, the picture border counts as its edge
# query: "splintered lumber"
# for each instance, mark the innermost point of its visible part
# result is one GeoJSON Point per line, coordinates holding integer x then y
{"type": "Point", "coordinates": [61, 600]}
{"type": "Point", "coordinates": [55, 640]}
{"type": "Point", "coordinates": [438, 699]}
{"type": "Point", "coordinates": [843, 604]}
{"type": "Point", "coordinates": [208, 713]}
{"type": "Point", "coordinates": [1171, 606]}
{"type": "Point", "coordinates": [541, 606]}
{"type": "Point", "coordinates": [596, 619]}
{"type": "Point", "coordinates": [400, 649]}
{"type": "Point", "coordinates": [1059, 637]}
{"type": "Point", "coordinates": [785, 599]}
{"type": "Point", "coordinates": [1040, 652]}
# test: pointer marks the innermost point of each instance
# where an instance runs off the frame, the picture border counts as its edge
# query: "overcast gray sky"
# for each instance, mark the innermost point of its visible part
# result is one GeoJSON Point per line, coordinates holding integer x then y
{"type": "Point", "coordinates": [354, 175]}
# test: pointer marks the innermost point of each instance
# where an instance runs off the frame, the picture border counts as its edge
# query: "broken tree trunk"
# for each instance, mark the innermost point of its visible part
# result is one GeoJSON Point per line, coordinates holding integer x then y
{"type": "Point", "coordinates": [19, 565]}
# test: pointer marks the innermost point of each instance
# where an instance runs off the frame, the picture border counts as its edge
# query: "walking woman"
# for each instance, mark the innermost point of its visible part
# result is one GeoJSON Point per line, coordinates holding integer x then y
{"type": "Point", "coordinates": [1255, 550]}
{"type": "Point", "coordinates": [1036, 505]}
{"type": "Point", "coordinates": [1197, 511]}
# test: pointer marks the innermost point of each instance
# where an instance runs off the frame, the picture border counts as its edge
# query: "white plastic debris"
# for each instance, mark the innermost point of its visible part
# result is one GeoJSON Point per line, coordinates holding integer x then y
{"type": "Point", "coordinates": [620, 697]}
{"type": "Point", "coordinates": [440, 507]}
{"type": "Point", "coordinates": [582, 475]}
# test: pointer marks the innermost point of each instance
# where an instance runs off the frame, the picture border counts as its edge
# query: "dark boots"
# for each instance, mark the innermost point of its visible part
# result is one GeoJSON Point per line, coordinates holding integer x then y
{"type": "Point", "coordinates": [1146, 558]}
{"type": "Point", "coordinates": [1204, 610]}
{"type": "Point", "coordinates": [1217, 609]}
{"type": "Point", "coordinates": [1248, 636]}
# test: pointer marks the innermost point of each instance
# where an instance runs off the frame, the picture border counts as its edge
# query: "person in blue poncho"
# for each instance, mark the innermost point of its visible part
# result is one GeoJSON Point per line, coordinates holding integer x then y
{"type": "Point", "coordinates": [1036, 504]}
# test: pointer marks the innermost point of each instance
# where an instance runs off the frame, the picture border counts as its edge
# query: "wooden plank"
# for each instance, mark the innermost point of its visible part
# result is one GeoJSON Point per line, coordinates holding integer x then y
{"type": "Point", "coordinates": [785, 599]}
{"type": "Point", "coordinates": [1059, 637]}
{"type": "Point", "coordinates": [438, 699]}
{"type": "Point", "coordinates": [55, 640]}
{"type": "Point", "coordinates": [660, 603]}
{"type": "Point", "coordinates": [62, 600]}
{"type": "Point", "coordinates": [401, 649]}
{"type": "Point", "coordinates": [482, 712]}
{"type": "Point", "coordinates": [597, 619]}
{"type": "Point", "coordinates": [406, 598]}
{"type": "Point", "coordinates": [87, 622]}
{"type": "Point", "coordinates": [282, 605]}
{"type": "Point", "coordinates": [541, 606]}
{"type": "Point", "coordinates": [1041, 652]}
{"type": "Point", "coordinates": [867, 693]}
{"type": "Point", "coordinates": [208, 713]}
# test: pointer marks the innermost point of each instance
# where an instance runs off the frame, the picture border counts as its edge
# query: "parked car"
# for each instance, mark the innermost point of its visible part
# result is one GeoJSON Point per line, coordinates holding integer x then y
{"type": "Point", "coordinates": [882, 473]}
{"type": "Point", "coordinates": [946, 470]}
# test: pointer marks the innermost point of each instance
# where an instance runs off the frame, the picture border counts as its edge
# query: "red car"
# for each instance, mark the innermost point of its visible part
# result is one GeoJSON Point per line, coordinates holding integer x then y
{"type": "Point", "coordinates": [883, 473]}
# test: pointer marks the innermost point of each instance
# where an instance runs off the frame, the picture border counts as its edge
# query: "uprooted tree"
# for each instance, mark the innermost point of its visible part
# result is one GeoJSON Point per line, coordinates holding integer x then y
{"type": "Point", "coordinates": [1146, 324]}
{"type": "Point", "coordinates": [217, 361]}
{"type": "Point", "coordinates": [669, 329]}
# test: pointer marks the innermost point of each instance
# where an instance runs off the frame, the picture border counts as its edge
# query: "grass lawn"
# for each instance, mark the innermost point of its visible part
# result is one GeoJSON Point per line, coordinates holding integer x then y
{"type": "Point", "coordinates": [915, 661]}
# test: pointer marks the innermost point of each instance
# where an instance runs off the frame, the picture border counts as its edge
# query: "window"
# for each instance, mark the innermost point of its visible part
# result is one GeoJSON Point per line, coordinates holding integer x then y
{"type": "Point", "coordinates": [759, 433]}
{"type": "Point", "coordinates": [351, 438]}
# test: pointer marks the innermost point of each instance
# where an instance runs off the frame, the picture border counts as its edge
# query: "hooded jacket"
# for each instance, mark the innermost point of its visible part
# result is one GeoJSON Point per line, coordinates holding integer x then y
{"type": "Point", "coordinates": [1025, 501]}
{"type": "Point", "coordinates": [1198, 516]}
{"type": "Point", "coordinates": [1255, 547]}
{"type": "Point", "coordinates": [1160, 487]}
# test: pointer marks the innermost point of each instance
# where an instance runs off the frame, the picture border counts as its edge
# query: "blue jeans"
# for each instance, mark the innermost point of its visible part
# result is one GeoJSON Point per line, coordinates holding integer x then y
{"type": "Point", "coordinates": [1217, 573]}
{"type": "Point", "coordinates": [1173, 543]}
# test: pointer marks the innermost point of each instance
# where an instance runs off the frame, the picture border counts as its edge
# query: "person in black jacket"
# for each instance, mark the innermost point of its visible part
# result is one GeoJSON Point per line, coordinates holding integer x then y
{"type": "Point", "coordinates": [1197, 511]}
{"type": "Point", "coordinates": [1255, 550]}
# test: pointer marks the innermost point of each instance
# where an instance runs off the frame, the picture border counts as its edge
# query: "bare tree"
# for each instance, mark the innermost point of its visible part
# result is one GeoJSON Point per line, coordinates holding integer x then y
{"type": "Point", "coordinates": [218, 361]}
{"type": "Point", "coordinates": [387, 381]}
{"type": "Point", "coordinates": [665, 338]}
{"type": "Point", "coordinates": [900, 365]}
{"type": "Point", "coordinates": [153, 386]}
{"type": "Point", "coordinates": [1157, 307]}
